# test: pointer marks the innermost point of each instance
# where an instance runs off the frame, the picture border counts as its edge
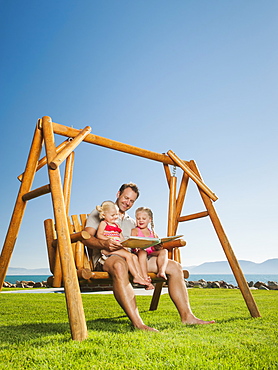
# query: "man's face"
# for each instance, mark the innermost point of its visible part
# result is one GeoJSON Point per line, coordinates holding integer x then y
{"type": "Point", "coordinates": [126, 200]}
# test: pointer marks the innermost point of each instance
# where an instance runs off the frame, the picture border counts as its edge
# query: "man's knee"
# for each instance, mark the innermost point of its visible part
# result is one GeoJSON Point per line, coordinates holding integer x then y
{"type": "Point", "coordinates": [174, 267]}
{"type": "Point", "coordinates": [116, 266]}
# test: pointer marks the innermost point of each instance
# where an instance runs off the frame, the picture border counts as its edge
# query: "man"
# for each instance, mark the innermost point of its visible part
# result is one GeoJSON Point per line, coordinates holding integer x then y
{"type": "Point", "coordinates": [116, 266]}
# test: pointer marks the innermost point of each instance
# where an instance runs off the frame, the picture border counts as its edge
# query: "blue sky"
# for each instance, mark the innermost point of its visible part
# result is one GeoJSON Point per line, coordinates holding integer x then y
{"type": "Point", "coordinates": [195, 77]}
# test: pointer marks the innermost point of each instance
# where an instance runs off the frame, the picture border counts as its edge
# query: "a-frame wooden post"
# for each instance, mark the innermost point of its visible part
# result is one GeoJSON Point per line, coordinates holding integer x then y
{"type": "Point", "coordinates": [242, 283]}
{"type": "Point", "coordinates": [71, 285]}
{"type": "Point", "coordinates": [44, 131]}
{"type": "Point", "coordinates": [20, 204]}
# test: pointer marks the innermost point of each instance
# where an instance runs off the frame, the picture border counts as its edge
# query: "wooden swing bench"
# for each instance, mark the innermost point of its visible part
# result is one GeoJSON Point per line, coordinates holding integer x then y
{"type": "Point", "coordinates": [83, 258]}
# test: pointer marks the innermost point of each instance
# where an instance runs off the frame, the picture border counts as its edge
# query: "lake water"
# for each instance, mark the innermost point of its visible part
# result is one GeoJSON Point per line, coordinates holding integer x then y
{"type": "Point", "coordinates": [229, 278]}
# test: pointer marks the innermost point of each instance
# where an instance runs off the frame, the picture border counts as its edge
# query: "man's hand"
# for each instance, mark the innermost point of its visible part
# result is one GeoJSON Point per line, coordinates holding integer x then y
{"type": "Point", "coordinates": [111, 245]}
{"type": "Point", "coordinates": [108, 244]}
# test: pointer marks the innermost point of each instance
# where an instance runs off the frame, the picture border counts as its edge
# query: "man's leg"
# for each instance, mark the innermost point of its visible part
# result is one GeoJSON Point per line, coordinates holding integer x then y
{"type": "Point", "coordinates": [178, 291]}
{"type": "Point", "coordinates": [123, 291]}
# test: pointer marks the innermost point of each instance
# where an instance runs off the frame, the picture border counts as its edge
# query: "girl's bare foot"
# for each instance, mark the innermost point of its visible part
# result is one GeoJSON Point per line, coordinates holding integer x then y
{"type": "Point", "coordinates": [149, 286]}
{"type": "Point", "coordinates": [162, 275]}
{"type": "Point", "coordinates": [140, 280]}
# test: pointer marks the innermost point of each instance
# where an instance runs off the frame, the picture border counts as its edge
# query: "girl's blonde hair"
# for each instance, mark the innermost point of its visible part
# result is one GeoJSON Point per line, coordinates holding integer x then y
{"type": "Point", "coordinates": [104, 207]}
{"type": "Point", "coordinates": [149, 213]}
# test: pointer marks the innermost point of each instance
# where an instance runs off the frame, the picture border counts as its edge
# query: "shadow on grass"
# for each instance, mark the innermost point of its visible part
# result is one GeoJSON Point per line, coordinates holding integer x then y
{"type": "Point", "coordinates": [236, 318]}
{"type": "Point", "coordinates": [118, 324]}
{"type": "Point", "coordinates": [19, 333]}
{"type": "Point", "coordinates": [25, 332]}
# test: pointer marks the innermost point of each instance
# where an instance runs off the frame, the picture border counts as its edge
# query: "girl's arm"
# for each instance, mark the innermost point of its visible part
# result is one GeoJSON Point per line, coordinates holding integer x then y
{"type": "Point", "coordinates": [100, 231]}
{"type": "Point", "coordinates": [134, 232]}
{"type": "Point", "coordinates": [157, 247]}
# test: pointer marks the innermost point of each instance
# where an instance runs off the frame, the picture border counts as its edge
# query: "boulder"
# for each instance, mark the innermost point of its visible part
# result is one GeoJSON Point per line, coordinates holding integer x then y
{"type": "Point", "coordinates": [262, 287]}
{"type": "Point", "coordinates": [273, 285]}
{"type": "Point", "coordinates": [215, 284]}
{"type": "Point", "coordinates": [39, 284]}
{"type": "Point", "coordinates": [259, 284]}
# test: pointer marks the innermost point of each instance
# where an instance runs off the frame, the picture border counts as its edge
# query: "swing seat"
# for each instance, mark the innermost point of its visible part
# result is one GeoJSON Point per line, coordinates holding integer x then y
{"type": "Point", "coordinates": [83, 258]}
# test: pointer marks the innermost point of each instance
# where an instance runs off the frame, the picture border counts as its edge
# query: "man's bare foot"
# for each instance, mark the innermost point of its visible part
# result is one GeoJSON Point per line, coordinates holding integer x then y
{"type": "Point", "coordinates": [195, 321]}
{"type": "Point", "coordinates": [162, 275]}
{"type": "Point", "coordinates": [145, 327]}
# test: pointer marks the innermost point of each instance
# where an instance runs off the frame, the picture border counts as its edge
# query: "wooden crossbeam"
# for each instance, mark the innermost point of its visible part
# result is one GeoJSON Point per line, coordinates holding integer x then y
{"type": "Point", "coordinates": [42, 162]}
{"type": "Point", "coordinates": [36, 193]}
{"type": "Point", "coordinates": [191, 174]}
{"type": "Point", "coordinates": [193, 216]}
{"type": "Point", "coordinates": [65, 152]}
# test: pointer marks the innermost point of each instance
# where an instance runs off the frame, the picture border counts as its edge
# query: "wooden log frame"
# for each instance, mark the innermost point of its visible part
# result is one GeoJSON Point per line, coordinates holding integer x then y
{"type": "Point", "coordinates": [62, 260]}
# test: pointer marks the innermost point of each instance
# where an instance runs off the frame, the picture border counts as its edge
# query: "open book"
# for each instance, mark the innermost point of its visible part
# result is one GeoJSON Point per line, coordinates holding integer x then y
{"type": "Point", "coordinates": [143, 243]}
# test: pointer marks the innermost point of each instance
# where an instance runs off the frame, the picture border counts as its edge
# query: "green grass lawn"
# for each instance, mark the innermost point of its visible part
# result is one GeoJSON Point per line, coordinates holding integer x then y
{"type": "Point", "coordinates": [35, 334]}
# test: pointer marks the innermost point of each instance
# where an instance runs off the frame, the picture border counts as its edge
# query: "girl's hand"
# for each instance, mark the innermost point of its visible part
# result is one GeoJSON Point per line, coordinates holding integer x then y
{"type": "Point", "coordinates": [158, 247]}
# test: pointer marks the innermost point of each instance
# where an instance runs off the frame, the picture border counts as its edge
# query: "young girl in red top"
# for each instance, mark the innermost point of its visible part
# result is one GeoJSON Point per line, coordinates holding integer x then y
{"type": "Point", "coordinates": [144, 217]}
{"type": "Point", "coordinates": [108, 228]}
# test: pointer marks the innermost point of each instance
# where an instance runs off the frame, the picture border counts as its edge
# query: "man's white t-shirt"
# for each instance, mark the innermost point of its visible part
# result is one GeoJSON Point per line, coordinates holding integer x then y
{"type": "Point", "coordinates": [126, 223]}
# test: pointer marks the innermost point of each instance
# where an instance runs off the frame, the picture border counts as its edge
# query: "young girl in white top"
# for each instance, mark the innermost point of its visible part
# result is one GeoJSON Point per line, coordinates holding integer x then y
{"type": "Point", "coordinates": [144, 217]}
{"type": "Point", "coordinates": [108, 228]}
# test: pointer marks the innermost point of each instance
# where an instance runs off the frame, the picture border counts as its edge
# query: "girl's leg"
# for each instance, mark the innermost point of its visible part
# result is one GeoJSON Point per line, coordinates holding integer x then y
{"type": "Point", "coordinates": [142, 258]}
{"type": "Point", "coordinates": [133, 266]}
{"type": "Point", "coordinates": [162, 261]}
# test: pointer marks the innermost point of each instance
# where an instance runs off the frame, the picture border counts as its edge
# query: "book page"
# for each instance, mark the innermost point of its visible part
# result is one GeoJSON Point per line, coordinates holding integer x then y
{"type": "Point", "coordinates": [139, 242]}
{"type": "Point", "coordinates": [143, 243]}
{"type": "Point", "coordinates": [170, 238]}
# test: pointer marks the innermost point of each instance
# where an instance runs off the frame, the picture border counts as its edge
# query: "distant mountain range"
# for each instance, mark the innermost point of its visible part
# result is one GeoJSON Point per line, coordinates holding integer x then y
{"type": "Point", "coordinates": [222, 267]}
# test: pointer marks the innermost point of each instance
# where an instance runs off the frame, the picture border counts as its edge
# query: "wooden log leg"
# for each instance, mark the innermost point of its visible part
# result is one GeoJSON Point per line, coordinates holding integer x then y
{"type": "Point", "coordinates": [20, 205]}
{"type": "Point", "coordinates": [57, 274]}
{"type": "Point", "coordinates": [79, 250]}
{"type": "Point", "coordinates": [50, 235]}
{"type": "Point", "coordinates": [156, 296]}
{"type": "Point", "coordinates": [176, 253]}
{"type": "Point", "coordinates": [72, 292]}
{"type": "Point", "coordinates": [242, 283]}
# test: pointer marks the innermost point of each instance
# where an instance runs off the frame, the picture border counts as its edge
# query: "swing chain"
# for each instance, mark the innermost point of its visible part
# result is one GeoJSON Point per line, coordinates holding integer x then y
{"type": "Point", "coordinates": [174, 171]}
